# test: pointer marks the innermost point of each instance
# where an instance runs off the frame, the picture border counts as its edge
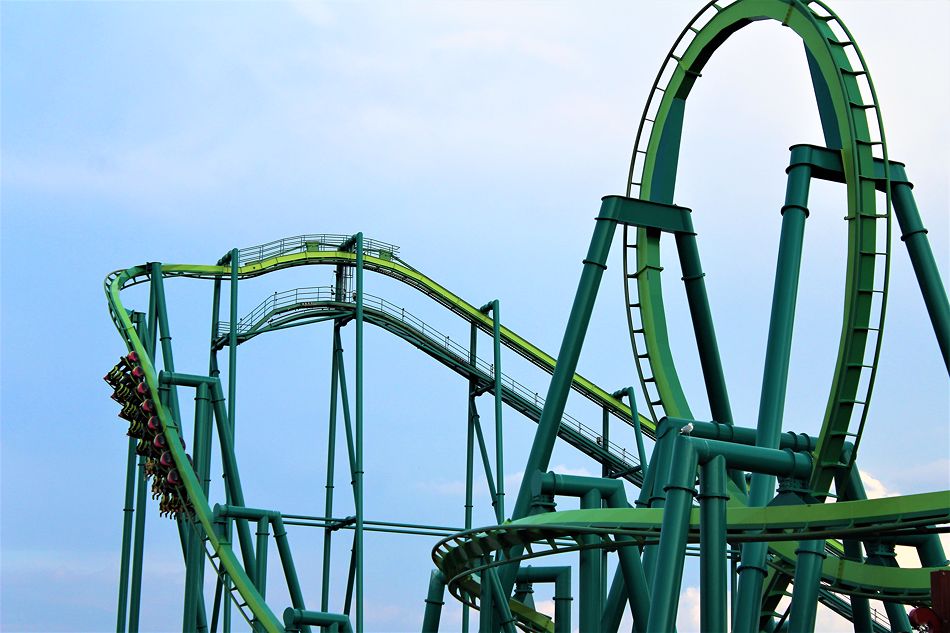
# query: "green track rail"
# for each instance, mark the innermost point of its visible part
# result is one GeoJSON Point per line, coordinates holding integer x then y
{"type": "Point", "coordinates": [300, 251]}
{"type": "Point", "coordinates": [854, 135]}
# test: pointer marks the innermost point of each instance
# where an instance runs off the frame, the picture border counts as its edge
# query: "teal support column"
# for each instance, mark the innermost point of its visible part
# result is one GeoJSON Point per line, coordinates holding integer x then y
{"type": "Point", "coordinates": [615, 604]}
{"type": "Point", "coordinates": [470, 454]}
{"type": "Point", "coordinates": [540, 455]}
{"type": "Point", "coordinates": [215, 372]}
{"type": "Point", "coordinates": [235, 261]}
{"type": "Point", "coordinates": [594, 266]}
{"type": "Point", "coordinates": [126, 559]}
{"type": "Point", "coordinates": [499, 429]}
{"type": "Point", "coordinates": [658, 475]}
{"type": "Point", "coordinates": [703, 328]}
{"type": "Point", "coordinates": [485, 605]}
{"type": "Point", "coordinates": [357, 242]}
{"type": "Point", "coordinates": [774, 383]}
{"type": "Point", "coordinates": [705, 333]}
{"type": "Point", "coordinates": [169, 395]}
{"type": "Point", "coordinates": [486, 462]}
{"type": "Point", "coordinates": [194, 616]}
{"type": "Point", "coordinates": [260, 574]}
{"type": "Point", "coordinates": [138, 551]}
{"type": "Point", "coordinates": [147, 333]}
{"type": "Point", "coordinates": [331, 462]}
{"type": "Point", "coordinates": [345, 404]}
{"type": "Point", "coordinates": [232, 338]}
{"type": "Point", "coordinates": [914, 236]}
{"type": "Point", "coordinates": [434, 601]}
{"type": "Point", "coordinates": [592, 491]}
{"type": "Point", "coordinates": [860, 605]}
{"type": "Point", "coordinates": [637, 429]}
{"type": "Point", "coordinates": [673, 536]}
{"type": "Point", "coordinates": [591, 570]}
{"type": "Point", "coordinates": [712, 553]}
{"type": "Point", "coordinates": [561, 577]}
{"type": "Point", "coordinates": [810, 556]}
{"type": "Point", "coordinates": [287, 563]}
{"type": "Point", "coordinates": [129, 511]}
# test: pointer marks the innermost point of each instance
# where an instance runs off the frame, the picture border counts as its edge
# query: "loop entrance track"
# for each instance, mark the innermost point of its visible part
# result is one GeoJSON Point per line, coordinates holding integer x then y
{"type": "Point", "coordinates": [481, 565]}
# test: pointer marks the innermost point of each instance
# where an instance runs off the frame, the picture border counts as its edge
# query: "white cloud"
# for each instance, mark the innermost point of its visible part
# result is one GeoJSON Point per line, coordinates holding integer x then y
{"type": "Point", "coordinates": [875, 488]}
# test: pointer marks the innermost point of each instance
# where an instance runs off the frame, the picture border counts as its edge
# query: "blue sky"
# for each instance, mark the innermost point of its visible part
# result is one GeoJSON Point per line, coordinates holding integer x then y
{"type": "Point", "coordinates": [479, 137]}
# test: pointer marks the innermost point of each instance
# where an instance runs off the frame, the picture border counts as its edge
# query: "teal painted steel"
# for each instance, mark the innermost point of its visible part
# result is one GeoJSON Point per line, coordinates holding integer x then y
{"type": "Point", "coordinates": [664, 521]}
{"type": "Point", "coordinates": [774, 383]}
{"type": "Point", "coordinates": [713, 497]}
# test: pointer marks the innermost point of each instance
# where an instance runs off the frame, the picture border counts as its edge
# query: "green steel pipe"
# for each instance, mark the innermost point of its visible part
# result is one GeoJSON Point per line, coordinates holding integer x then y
{"type": "Point", "coordinates": [883, 555]}
{"type": "Point", "coordinates": [233, 480]}
{"type": "Point", "coordinates": [435, 598]}
{"type": "Point", "coordinates": [486, 605]}
{"type": "Point", "coordinates": [703, 328]}
{"type": "Point", "coordinates": [544, 439]}
{"type": "Point", "coordinates": [129, 510]}
{"type": "Point", "coordinates": [359, 433]}
{"type": "Point", "coordinates": [169, 393]}
{"type": "Point", "coordinates": [499, 429]}
{"type": "Point", "coordinates": [878, 554]}
{"type": "Point", "coordinates": [637, 430]}
{"type": "Point", "coordinates": [138, 551]}
{"type": "Point", "coordinates": [541, 448]}
{"type": "Point", "coordinates": [810, 556]}
{"type": "Point", "coordinates": [486, 464]}
{"type": "Point", "coordinates": [470, 455]}
{"type": "Point", "coordinates": [656, 497]}
{"type": "Point", "coordinates": [194, 615]}
{"type": "Point", "coordinates": [165, 337]}
{"type": "Point", "coordinates": [615, 604]}
{"type": "Point", "coordinates": [712, 553]}
{"type": "Point", "coordinates": [591, 602]}
{"type": "Point", "coordinates": [744, 435]}
{"type": "Point", "coordinates": [148, 339]}
{"type": "Point", "coordinates": [331, 462]}
{"type": "Point", "coordinates": [561, 577]}
{"type": "Point", "coordinates": [190, 549]}
{"type": "Point", "coordinates": [228, 458]}
{"type": "Point", "coordinates": [350, 577]}
{"type": "Point", "coordinates": [914, 236]}
{"type": "Point", "coordinates": [297, 619]}
{"type": "Point", "coordinates": [769, 461]}
{"type": "Point", "coordinates": [216, 605]}
{"type": "Point", "coordinates": [263, 534]}
{"type": "Point", "coordinates": [673, 536]}
{"type": "Point", "coordinates": [500, 603]}
{"type": "Point", "coordinates": [860, 605]}
{"type": "Point", "coordinates": [611, 491]}
{"type": "Point", "coordinates": [232, 339]}
{"type": "Point", "coordinates": [345, 402]}
{"type": "Point", "coordinates": [774, 383]}
{"type": "Point", "coordinates": [232, 405]}
{"type": "Point", "coordinates": [287, 562]}
{"type": "Point", "coordinates": [126, 558]}
{"type": "Point", "coordinates": [214, 371]}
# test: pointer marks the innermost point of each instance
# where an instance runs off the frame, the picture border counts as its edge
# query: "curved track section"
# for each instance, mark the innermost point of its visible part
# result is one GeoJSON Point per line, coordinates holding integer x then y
{"type": "Point", "coordinates": [322, 250]}
{"type": "Point", "coordinates": [846, 97]}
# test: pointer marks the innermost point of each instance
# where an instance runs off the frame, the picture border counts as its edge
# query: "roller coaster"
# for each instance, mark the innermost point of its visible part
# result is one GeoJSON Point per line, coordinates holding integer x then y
{"type": "Point", "coordinates": [780, 520]}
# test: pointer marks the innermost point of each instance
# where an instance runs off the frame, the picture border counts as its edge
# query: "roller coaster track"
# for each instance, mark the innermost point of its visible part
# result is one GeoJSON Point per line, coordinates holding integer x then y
{"type": "Point", "coordinates": [308, 305]}
{"type": "Point", "coordinates": [301, 306]}
{"type": "Point", "coordinates": [856, 155]}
